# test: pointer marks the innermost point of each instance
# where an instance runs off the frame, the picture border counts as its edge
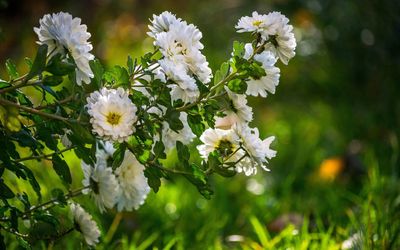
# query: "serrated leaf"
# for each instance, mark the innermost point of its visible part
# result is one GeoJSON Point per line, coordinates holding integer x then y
{"type": "Point", "coordinates": [11, 69]}
{"type": "Point", "coordinates": [153, 175]}
{"type": "Point", "coordinates": [23, 243]}
{"type": "Point", "coordinates": [183, 152]}
{"type": "Point", "coordinates": [173, 119]}
{"type": "Point", "coordinates": [118, 76]}
{"type": "Point", "coordinates": [61, 168]}
{"type": "Point", "coordinates": [118, 156]}
{"type": "Point", "coordinates": [129, 64]}
{"type": "Point", "coordinates": [196, 124]}
{"type": "Point", "coordinates": [5, 191]}
{"type": "Point", "coordinates": [159, 150]}
{"type": "Point", "coordinates": [48, 218]}
{"type": "Point", "coordinates": [98, 72]}
{"type": "Point", "coordinates": [59, 195]}
{"type": "Point", "coordinates": [238, 86]}
{"type": "Point", "coordinates": [52, 80]}
{"type": "Point", "coordinates": [31, 178]}
{"type": "Point", "coordinates": [39, 63]}
{"type": "Point", "coordinates": [59, 67]}
{"type": "Point", "coordinates": [82, 134]}
{"type": "Point", "coordinates": [238, 49]}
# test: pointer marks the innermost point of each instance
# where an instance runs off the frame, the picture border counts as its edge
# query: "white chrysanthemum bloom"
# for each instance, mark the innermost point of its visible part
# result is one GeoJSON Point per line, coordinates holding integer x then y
{"type": "Point", "coordinates": [132, 182]}
{"type": "Point", "coordinates": [170, 137]}
{"type": "Point", "coordinates": [239, 110]}
{"type": "Point", "coordinates": [67, 36]}
{"type": "Point", "coordinates": [226, 142]}
{"type": "Point", "coordinates": [259, 150]}
{"type": "Point", "coordinates": [85, 224]}
{"type": "Point", "coordinates": [105, 151]}
{"type": "Point", "coordinates": [161, 23]}
{"type": "Point", "coordinates": [185, 87]}
{"type": "Point", "coordinates": [282, 41]}
{"type": "Point", "coordinates": [112, 114]}
{"type": "Point", "coordinates": [266, 83]}
{"type": "Point", "coordinates": [181, 45]}
{"type": "Point", "coordinates": [103, 184]}
{"type": "Point", "coordinates": [254, 23]}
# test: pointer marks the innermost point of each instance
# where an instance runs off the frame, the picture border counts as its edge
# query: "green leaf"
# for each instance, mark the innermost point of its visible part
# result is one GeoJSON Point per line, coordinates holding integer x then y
{"type": "Point", "coordinates": [11, 69]}
{"type": "Point", "coordinates": [52, 80]}
{"type": "Point", "coordinates": [82, 133]}
{"type": "Point", "coordinates": [61, 168]}
{"type": "Point", "coordinates": [118, 156]}
{"type": "Point", "coordinates": [47, 218]}
{"type": "Point", "coordinates": [196, 124]}
{"type": "Point", "coordinates": [28, 62]}
{"type": "Point", "coordinates": [39, 63]}
{"type": "Point", "coordinates": [159, 150]}
{"type": "Point", "coordinates": [183, 152]}
{"type": "Point", "coordinates": [4, 84]}
{"type": "Point", "coordinates": [238, 86]}
{"type": "Point", "coordinates": [5, 191]}
{"type": "Point", "coordinates": [172, 117]}
{"type": "Point", "coordinates": [59, 67]}
{"type": "Point", "coordinates": [153, 175]}
{"type": "Point", "coordinates": [31, 178]}
{"type": "Point", "coordinates": [59, 195]}
{"type": "Point", "coordinates": [2, 243]}
{"type": "Point", "coordinates": [23, 243]}
{"type": "Point", "coordinates": [118, 76]}
{"type": "Point", "coordinates": [238, 49]}
{"type": "Point", "coordinates": [130, 65]}
{"type": "Point", "coordinates": [198, 173]}
{"type": "Point", "coordinates": [221, 73]}
{"type": "Point", "coordinates": [98, 72]}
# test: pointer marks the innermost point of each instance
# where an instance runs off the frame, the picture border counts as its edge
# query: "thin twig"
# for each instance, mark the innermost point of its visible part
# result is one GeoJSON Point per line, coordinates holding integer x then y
{"type": "Point", "coordinates": [35, 157]}
{"type": "Point", "coordinates": [35, 111]}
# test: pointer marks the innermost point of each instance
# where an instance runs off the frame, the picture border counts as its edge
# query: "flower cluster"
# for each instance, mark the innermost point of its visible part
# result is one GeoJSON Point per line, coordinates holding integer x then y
{"type": "Point", "coordinates": [182, 62]}
{"type": "Point", "coordinates": [126, 187]}
{"type": "Point", "coordinates": [276, 34]}
{"type": "Point", "coordinates": [138, 114]}
{"type": "Point", "coordinates": [67, 36]}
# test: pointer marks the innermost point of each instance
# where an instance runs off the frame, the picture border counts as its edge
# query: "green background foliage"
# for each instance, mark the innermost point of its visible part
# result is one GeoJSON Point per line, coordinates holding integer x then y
{"type": "Point", "coordinates": [337, 100]}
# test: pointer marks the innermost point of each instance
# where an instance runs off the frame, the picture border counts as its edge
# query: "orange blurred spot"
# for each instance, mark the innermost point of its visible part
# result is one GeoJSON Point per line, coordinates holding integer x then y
{"type": "Point", "coordinates": [330, 168]}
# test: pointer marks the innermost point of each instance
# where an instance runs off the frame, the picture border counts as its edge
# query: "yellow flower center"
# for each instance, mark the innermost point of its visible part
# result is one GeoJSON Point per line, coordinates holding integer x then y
{"type": "Point", "coordinates": [257, 23]}
{"type": "Point", "coordinates": [113, 118]}
{"type": "Point", "coordinates": [225, 148]}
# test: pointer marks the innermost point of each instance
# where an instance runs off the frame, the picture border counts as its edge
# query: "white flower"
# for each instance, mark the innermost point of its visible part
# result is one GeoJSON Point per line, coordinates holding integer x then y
{"type": "Point", "coordinates": [112, 114]}
{"type": "Point", "coordinates": [132, 182]}
{"type": "Point", "coordinates": [161, 23]}
{"type": "Point", "coordinates": [282, 41]}
{"type": "Point", "coordinates": [170, 137]}
{"type": "Point", "coordinates": [102, 182]}
{"type": "Point", "coordinates": [105, 151]}
{"type": "Point", "coordinates": [239, 110]}
{"type": "Point", "coordinates": [180, 44]}
{"type": "Point", "coordinates": [226, 142]}
{"type": "Point", "coordinates": [85, 224]}
{"type": "Point", "coordinates": [273, 28]}
{"type": "Point", "coordinates": [185, 87]}
{"type": "Point", "coordinates": [67, 36]}
{"type": "Point", "coordinates": [259, 150]}
{"type": "Point", "coordinates": [255, 23]}
{"type": "Point", "coordinates": [266, 83]}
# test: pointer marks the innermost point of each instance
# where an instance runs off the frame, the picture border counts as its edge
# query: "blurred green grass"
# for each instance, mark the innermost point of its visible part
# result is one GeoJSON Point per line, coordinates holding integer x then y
{"type": "Point", "coordinates": [337, 100]}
